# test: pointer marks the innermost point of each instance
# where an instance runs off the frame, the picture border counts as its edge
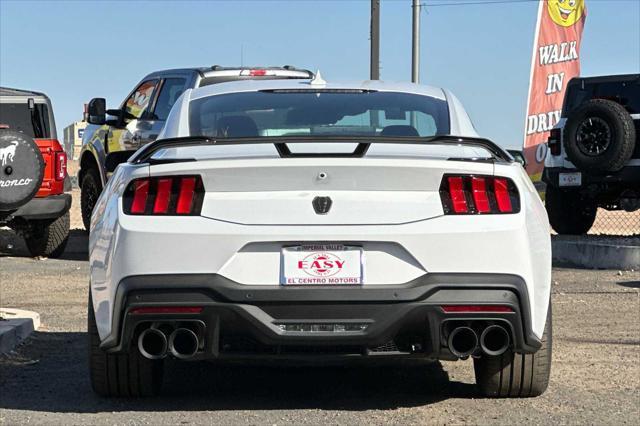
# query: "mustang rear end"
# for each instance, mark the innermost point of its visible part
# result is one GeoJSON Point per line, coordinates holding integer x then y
{"type": "Point", "coordinates": [280, 237]}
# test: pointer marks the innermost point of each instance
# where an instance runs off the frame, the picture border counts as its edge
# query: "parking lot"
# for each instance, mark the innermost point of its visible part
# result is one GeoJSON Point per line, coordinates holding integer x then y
{"type": "Point", "coordinates": [595, 374]}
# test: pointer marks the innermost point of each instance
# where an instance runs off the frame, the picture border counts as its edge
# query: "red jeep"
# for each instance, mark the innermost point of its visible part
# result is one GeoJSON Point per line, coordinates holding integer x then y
{"type": "Point", "coordinates": [33, 173]}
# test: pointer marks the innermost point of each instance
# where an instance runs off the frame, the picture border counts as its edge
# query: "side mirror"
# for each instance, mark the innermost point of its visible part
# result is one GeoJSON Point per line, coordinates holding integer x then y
{"type": "Point", "coordinates": [97, 111]}
{"type": "Point", "coordinates": [115, 158]}
{"type": "Point", "coordinates": [518, 156]}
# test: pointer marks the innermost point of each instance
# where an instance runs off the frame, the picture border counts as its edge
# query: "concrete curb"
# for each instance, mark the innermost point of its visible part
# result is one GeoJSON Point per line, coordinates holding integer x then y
{"type": "Point", "coordinates": [595, 254]}
{"type": "Point", "coordinates": [15, 326]}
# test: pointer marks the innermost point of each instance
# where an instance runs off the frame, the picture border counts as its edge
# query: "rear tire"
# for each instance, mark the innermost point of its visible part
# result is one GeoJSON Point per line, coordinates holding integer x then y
{"type": "Point", "coordinates": [569, 213]}
{"type": "Point", "coordinates": [513, 375]}
{"type": "Point", "coordinates": [90, 189]}
{"type": "Point", "coordinates": [120, 375]}
{"type": "Point", "coordinates": [48, 239]}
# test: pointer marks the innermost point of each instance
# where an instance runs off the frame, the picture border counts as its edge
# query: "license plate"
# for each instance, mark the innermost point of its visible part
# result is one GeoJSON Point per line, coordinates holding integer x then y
{"type": "Point", "coordinates": [570, 179]}
{"type": "Point", "coordinates": [324, 264]}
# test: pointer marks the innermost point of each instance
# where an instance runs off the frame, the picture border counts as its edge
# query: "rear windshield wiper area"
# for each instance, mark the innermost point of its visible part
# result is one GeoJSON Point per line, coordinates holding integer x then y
{"type": "Point", "coordinates": [146, 153]}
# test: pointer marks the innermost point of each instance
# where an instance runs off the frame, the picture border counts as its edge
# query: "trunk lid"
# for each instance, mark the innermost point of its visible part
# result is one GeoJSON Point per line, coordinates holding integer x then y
{"type": "Point", "coordinates": [281, 191]}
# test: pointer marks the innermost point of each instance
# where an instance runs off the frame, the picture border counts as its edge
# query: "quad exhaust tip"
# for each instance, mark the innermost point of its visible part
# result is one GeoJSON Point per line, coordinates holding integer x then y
{"type": "Point", "coordinates": [463, 342]}
{"type": "Point", "coordinates": [183, 343]}
{"type": "Point", "coordinates": [494, 340]}
{"type": "Point", "coordinates": [152, 344]}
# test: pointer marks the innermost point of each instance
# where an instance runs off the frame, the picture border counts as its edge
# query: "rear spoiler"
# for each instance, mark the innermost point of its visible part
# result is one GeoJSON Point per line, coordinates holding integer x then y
{"type": "Point", "coordinates": [145, 154]}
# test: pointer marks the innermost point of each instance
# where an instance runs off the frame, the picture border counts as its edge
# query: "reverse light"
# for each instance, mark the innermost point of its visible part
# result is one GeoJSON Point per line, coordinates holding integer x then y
{"type": "Point", "coordinates": [477, 194]}
{"type": "Point", "coordinates": [468, 309]}
{"type": "Point", "coordinates": [165, 195]}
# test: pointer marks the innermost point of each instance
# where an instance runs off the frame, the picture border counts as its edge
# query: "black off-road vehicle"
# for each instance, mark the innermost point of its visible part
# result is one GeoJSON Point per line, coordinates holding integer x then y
{"type": "Point", "coordinates": [594, 152]}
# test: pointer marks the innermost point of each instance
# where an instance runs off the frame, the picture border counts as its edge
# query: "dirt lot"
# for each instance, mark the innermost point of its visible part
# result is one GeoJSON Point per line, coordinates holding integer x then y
{"type": "Point", "coordinates": [595, 376]}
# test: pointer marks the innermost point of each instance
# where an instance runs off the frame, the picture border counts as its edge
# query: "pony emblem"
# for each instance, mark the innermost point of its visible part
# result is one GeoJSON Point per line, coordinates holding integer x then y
{"type": "Point", "coordinates": [8, 152]}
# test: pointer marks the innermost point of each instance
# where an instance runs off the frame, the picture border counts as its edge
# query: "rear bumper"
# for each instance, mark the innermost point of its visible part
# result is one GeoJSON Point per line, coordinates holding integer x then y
{"type": "Point", "coordinates": [51, 207]}
{"type": "Point", "coordinates": [628, 177]}
{"type": "Point", "coordinates": [244, 321]}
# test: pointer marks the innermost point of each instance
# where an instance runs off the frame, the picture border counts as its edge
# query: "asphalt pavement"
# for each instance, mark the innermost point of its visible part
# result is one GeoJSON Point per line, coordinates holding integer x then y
{"type": "Point", "coordinates": [595, 373]}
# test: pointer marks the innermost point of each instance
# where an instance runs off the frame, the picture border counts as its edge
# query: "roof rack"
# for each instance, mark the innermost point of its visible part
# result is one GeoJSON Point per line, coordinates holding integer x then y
{"type": "Point", "coordinates": [8, 91]}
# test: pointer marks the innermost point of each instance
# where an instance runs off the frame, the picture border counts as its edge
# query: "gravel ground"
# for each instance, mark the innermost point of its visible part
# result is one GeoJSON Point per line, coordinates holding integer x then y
{"type": "Point", "coordinates": [595, 376]}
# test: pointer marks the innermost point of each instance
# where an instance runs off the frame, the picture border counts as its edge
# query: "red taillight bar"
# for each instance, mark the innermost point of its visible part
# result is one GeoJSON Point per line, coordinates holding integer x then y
{"type": "Point", "coordinates": [468, 309]}
{"type": "Point", "coordinates": [164, 195]}
{"type": "Point", "coordinates": [477, 194]}
{"type": "Point", "coordinates": [140, 195]}
{"type": "Point", "coordinates": [185, 199]}
{"type": "Point", "coordinates": [480, 197]}
{"type": "Point", "coordinates": [166, 310]}
{"type": "Point", "coordinates": [458, 198]}
{"type": "Point", "coordinates": [501, 189]}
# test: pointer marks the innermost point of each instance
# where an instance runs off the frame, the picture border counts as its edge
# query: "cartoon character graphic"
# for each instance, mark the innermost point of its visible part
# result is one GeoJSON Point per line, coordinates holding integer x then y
{"type": "Point", "coordinates": [138, 103]}
{"type": "Point", "coordinates": [8, 152]}
{"type": "Point", "coordinates": [565, 12]}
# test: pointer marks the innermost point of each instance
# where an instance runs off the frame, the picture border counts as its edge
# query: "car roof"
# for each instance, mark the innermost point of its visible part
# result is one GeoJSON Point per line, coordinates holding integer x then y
{"type": "Point", "coordinates": [301, 84]}
{"type": "Point", "coordinates": [605, 79]}
{"type": "Point", "coordinates": [19, 93]}
{"type": "Point", "coordinates": [215, 69]}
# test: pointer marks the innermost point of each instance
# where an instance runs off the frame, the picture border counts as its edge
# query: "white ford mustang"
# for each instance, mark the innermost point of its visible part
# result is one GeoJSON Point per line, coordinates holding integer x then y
{"type": "Point", "coordinates": [305, 219]}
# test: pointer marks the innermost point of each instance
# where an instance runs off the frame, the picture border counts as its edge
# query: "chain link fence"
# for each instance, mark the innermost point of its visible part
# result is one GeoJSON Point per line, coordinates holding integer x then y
{"type": "Point", "coordinates": [616, 223]}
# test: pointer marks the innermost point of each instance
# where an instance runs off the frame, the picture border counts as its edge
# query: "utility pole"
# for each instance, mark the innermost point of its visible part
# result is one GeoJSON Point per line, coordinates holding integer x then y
{"type": "Point", "coordinates": [375, 40]}
{"type": "Point", "coordinates": [415, 47]}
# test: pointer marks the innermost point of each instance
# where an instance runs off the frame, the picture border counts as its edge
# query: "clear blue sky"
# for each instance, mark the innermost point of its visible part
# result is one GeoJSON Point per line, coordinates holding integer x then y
{"type": "Point", "coordinates": [75, 50]}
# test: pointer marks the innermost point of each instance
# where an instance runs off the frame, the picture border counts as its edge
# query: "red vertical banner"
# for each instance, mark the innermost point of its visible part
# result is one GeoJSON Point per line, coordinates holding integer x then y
{"type": "Point", "coordinates": [555, 61]}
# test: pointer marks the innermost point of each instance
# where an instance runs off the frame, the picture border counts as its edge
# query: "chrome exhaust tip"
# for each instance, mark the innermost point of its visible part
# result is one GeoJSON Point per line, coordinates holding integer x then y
{"type": "Point", "coordinates": [152, 343]}
{"type": "Point", "coordinates": [463, 342]}
{"type": "Point", "coordinates": [183, 343]}
{"type": "Point", "coordinates": [494, 340]}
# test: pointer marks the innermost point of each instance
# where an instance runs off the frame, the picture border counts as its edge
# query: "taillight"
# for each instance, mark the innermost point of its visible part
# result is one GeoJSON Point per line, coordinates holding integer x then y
{"type": "Point", "coordinates": [254, 73]}
{"type": "Point", "coordinates": [166, 195]}
{"type": "Point", "coordinates": [554, 142]}
{"type": "Point", "coordinates": [469, 309]}
{"type": "Point", "coordinates": [472, 194]}
{"type": "Point", "coordinates": [60, 165]}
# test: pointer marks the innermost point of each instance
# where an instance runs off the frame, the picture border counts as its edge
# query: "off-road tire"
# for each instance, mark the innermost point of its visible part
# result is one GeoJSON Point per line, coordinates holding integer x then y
{"type": "Point", "coordinates": [120, 375]}
{"type": "Point", "coordinates": [90, 189]}
{"type": "Point", "coordinates": [21, 169]}
{"type": "Point", "coordinates": [514, 375]}
{"type": "Point", "coordinates": [569, 212]}
{"type": "Point", "coordinates": [622, 136]}
{"type": "Point", "coordinates": [46, 238]}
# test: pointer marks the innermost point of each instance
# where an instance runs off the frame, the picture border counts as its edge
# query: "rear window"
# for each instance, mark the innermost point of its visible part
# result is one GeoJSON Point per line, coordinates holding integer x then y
{"type": "Point", "coordinates": [33, 123]}
{"type": "Point", "coordinates": [319, 112]}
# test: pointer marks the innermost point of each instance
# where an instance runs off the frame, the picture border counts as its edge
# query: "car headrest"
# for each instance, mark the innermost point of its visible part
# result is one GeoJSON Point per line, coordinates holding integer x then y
{"type": "Point", "coordinates": [399, 130]}
{"type": "Point", "coordinates": [236, 126]}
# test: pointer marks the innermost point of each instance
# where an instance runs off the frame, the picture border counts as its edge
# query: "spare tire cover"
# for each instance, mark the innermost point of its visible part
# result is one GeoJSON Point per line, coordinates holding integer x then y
{"type": "Point", "coordinates": [21, 169]}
